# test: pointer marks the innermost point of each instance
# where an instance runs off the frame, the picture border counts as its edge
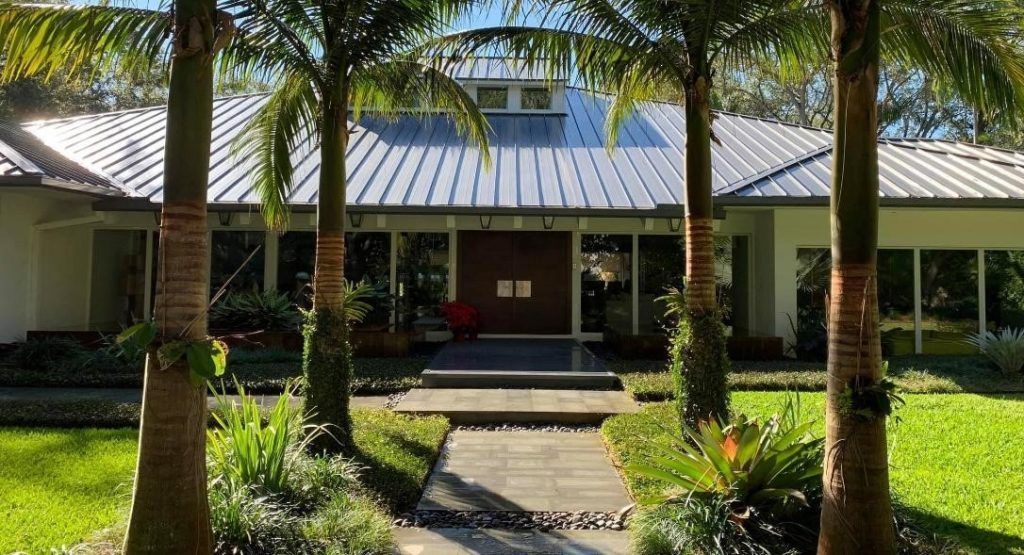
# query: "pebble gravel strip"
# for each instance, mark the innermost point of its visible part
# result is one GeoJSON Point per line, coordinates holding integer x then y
{"type": "Point", "coordinates": [394, 399]}
{"type": "Point", "coordinates": [582, 428]}
{"type": "Point", "coordinates": [513, 520]}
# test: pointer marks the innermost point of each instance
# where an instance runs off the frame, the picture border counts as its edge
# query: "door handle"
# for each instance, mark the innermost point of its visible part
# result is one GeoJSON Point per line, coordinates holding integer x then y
{"type": "Point", "coordinates": [524, 289]}
{"type": "Point", "coordinates": [505, 288]}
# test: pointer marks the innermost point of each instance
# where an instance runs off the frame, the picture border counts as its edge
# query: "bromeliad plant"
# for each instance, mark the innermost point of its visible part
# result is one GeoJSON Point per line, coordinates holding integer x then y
{"type": "Point", "coordinates": [770, 467]}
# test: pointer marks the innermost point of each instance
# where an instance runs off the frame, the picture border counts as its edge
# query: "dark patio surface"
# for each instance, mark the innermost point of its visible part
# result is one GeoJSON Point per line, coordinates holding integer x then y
{"type": "Point", "coordinates": [517, 355]}
{"type": "Point", "coordinates": [519, 363]}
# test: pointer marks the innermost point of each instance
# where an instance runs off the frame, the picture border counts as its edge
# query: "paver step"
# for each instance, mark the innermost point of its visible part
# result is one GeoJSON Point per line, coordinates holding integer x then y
{"type": "Point", "coordinates": [462, 541]}
{"type": "Point", "coordinates": [483, 406]}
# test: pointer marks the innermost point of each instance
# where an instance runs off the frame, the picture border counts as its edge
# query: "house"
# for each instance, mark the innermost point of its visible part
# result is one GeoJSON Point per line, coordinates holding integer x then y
{"type": "Point", "coordinates": [560, 236]}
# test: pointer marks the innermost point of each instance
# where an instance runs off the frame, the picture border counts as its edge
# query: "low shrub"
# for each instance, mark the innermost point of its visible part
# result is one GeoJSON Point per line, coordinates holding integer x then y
{"type": "Point", "coordinates": [1005, 349]}
{"type": "Point", "coordinates": [47, 353]}
{"type": "Point", "coordinates": [347, 524]}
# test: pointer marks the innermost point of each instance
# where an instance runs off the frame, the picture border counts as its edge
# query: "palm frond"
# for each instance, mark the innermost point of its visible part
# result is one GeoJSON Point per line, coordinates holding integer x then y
{"type": "Point", "coordinates": [274, 37]}
{"type": "Point", "coordinates": [286, 123]}
{"type": "Point", "coordinates": [406, 86]}
{"type": "Point", "coordinates": [971, 46]}
{"type": "Point", "coordinates": [42, 39]}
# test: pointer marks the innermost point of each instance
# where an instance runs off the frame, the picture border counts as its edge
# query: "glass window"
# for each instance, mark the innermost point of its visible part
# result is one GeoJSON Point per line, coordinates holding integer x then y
{"type": "Point", "coordinates": [606, 283]}
{"type": "Point", "coordinates": [949, 300]}
{"type": "Point", "coordinates": [536, 99]}
{"type": "Point", "coordinates": [229, 251]}
{"type": "Point", "coordinates": [896, 300]}
{"type": "Point", "coordinates": [734, 284]}
{"type": "Point", "coordinates": [813, 272]}
{"type": "Point", "coordinates": [492, 98]}
{"type": "Point", "coordinates": [367, 258]}
{"type": "Point", "coordinates": [1004, 289]}
{"type": "Point", "coordinates": [662, 266]}
{"type": "Point", "coordinates": [118, 279]}
{"type": "Point", "coordinates": [296, 254]}
{"type": "Point", "coordinates": [423, 260]}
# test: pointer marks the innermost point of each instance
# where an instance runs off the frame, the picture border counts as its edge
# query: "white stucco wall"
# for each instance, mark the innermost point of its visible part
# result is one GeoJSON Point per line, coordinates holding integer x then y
{"type": "Point", "coordinates": [23, 218]}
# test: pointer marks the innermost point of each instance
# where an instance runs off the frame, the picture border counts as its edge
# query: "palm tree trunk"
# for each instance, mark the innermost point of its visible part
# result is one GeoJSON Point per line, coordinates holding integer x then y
{"type": "Point", "coordinates": [705, 365]}
{"type": "Point", "coordinates": [856, 514]}
{"type": "Point", "coordinates": [327, 360]}
{"type": "Point", "coordinates": [170, 512]}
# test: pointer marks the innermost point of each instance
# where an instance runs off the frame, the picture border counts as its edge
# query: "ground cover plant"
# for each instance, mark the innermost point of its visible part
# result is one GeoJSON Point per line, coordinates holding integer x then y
{"type": "Point", "coordinates": [63, 363]}
{"type": "Point", "coordinates": [78, 481]}
{"type": "Point", "coordinates": [937, 451]}
{"type": "Point", "coordinates": [649, 380]}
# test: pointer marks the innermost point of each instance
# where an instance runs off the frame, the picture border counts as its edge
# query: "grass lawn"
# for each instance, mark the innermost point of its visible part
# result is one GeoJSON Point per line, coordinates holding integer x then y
{"type": "Point", "coordinates": [956, 459]}
{"type": "Point", "coordinates": [59, 486]}
{"type": "Point", "coordinates": [647, 380]}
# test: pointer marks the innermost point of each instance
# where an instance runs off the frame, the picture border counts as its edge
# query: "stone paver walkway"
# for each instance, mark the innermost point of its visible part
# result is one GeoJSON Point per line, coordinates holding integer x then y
{"type": "Point", "coordinates": [460, 541]}
{"type": "Point", "coordinates": [128, 395]}
{"type": "Point", "coordinates": [524, 471]}
{"type": "Point", "coordinates": [474, 406]}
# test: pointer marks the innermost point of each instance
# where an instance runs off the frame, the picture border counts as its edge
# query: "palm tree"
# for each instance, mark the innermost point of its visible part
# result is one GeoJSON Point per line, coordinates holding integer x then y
{"type": "Point", "coordinates": [330, 60]}
{"type": "Point", "coordinates": [638, 49]}
{"type": "Point", "coordinates": [971, 46]}
{"type": "Point", "coordinates": [170, 513]}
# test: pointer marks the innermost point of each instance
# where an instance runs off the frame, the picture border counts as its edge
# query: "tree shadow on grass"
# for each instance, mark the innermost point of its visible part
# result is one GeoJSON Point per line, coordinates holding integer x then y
{"type": "Point", "coordinates": [976, 539]}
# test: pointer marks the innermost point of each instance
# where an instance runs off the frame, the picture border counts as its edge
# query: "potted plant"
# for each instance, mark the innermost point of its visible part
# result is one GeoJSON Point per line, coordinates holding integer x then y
{"type": "Point", "coordinates": [463, 319]}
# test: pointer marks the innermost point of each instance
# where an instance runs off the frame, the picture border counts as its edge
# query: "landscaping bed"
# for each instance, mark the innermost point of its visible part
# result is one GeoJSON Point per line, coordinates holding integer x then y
{"type": "Point", "coordinates": [649, 380]}
{"type": "Point", "coordinates": [78, 481]}
{"type": "Point", "coordinates": [258, 370]}
{"type": "Point", "coordinates": [955, 464]}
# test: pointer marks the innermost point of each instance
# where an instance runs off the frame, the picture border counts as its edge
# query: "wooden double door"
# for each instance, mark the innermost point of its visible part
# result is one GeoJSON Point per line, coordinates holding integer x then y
{"type": "Point", "coordinates": [518, 280]}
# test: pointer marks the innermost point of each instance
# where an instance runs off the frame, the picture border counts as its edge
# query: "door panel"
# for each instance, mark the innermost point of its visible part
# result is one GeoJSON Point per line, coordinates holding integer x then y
{"type": "Point", "coordinates": [485, 259]}
{"type": "Point", "coordinates": [541, 260]}
{"type": "Point", "coordinates": [519, 280]}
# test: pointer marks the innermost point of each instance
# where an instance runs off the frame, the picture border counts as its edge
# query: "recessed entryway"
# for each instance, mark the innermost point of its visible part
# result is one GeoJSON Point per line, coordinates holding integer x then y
{"type": "Point", "coordinates": [518, 280]}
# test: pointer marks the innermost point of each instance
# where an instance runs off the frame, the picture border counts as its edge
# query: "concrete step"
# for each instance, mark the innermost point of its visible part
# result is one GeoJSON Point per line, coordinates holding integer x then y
{"type": "Point", "coordinates": [463, 541]}
{"type": "Point", "coordinates": [486, 406]}
{"type": "Point", "coordinates": [519, 379]}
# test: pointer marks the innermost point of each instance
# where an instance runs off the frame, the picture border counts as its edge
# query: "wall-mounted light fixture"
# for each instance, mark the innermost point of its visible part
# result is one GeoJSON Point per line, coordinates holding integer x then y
{"type": "Point", "coordinates": [355, 219]}
{"type": "Point", "coordinates": [485, 221]}
{"type": "Point", "coordinates": [225, 218]}
{"type": "Point", "coordinates": [674, 224]}
{"type": "Point", "coordinates": [549, 222]}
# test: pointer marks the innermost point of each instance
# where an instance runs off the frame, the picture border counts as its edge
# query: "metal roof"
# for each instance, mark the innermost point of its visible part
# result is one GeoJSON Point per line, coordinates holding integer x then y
{"type": "Point", "coordinates": [24, 159]}
{"type": "Point", "coordinates": [497, 69]}
{"type": "Point", "coordinates": [909, 169]}
{"type": "Point", "coordinates": [540, 161]}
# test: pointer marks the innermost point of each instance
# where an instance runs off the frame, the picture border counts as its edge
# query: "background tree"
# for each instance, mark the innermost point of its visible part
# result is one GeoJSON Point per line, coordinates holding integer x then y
{"type": "Point", "coordinates": [971, 47]}
{"type": "Point", "coordinates": [327, 61]}
{"type": "Point", "coordinates": [170, 512]}
{"type": "Point", "coordinates": [644, 49]}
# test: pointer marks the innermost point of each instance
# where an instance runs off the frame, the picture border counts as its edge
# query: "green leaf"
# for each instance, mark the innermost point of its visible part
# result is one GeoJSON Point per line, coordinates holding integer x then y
{"type": "Point", "coordinates": [141, 334]}
{"type": "Point", "coordinates": [170, 352]}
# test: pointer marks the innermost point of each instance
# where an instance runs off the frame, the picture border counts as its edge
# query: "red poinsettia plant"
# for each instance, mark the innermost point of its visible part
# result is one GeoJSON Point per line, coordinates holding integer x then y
{"type": "Point", "coordinates": [463, 319]}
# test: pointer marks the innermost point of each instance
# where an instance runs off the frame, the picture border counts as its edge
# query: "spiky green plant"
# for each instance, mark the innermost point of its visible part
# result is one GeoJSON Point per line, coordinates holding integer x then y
{"type": "Point", "coordinates": [330, 63]}
{"type": "Point", "coordinates": [767, 466]}
{"type": "Point", "coordinates": [256, 450]}
{"type": "Point", "coordinates": [1004, 348]}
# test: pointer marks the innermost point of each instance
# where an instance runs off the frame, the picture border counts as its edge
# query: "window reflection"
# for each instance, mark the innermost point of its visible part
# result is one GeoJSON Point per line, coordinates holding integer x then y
{"type": "Point", "coordinates": [606, 283]}
{"type": "Point", "coordinates": [423, 260]}
{"type": "Point", "coordinates": [1004, 289]}
{"type": "Point", "coordinates": [949, 300]}
{"type": "Point", "coordinates": [229, 251]}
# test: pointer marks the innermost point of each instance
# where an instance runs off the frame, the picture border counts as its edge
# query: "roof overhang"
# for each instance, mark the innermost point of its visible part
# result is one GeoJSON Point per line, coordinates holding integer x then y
{"type": "Point", "coordinates": [35, 181]}
{"type": "Point", "coordinates": [888, 202]}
